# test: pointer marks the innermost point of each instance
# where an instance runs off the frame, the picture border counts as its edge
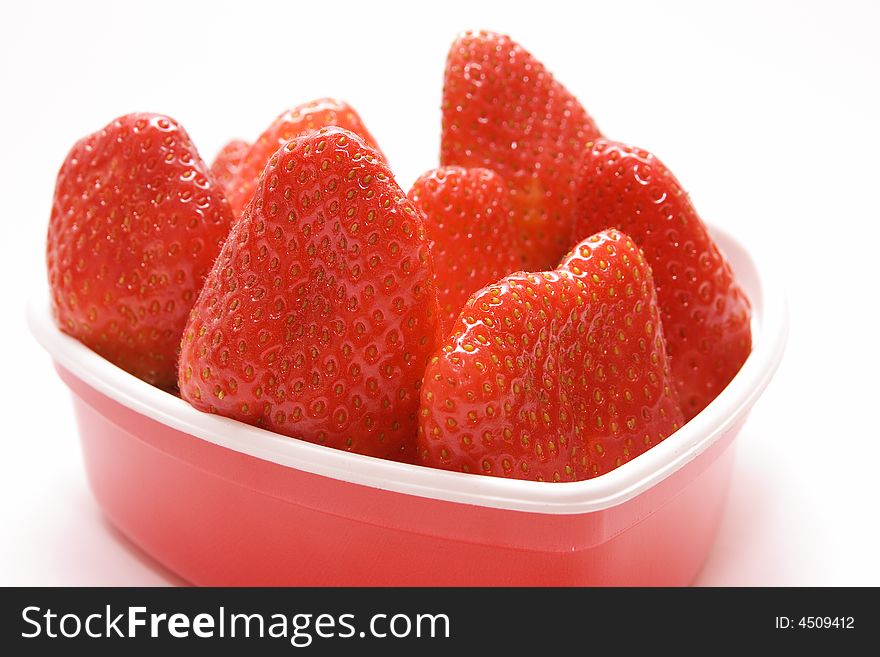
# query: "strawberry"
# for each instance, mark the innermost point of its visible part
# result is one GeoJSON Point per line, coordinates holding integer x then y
{"type": "Point", "coordinates": [504, 111]}
{"type": "Point", "coordinates": [292, 123]}
{"type": "Point", "coordinates": [706, 315]}
{"type": "Point", "coordinates": [553, 376]}
{"type": "Point", "coordinates": [136, 223]}
{"type": "Point", "coordinates": [225, 165]}
{"type": "Point", "coordinates": [320, 314]}
{"type": "Point", "coordinates": [468, 221]}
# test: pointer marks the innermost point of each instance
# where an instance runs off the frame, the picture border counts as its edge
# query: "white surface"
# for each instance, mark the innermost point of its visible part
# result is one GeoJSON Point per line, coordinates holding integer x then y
{"type": "Point", "coordinates": [767, 113]}
{"type": "Point", "coordinates": [769, 332]}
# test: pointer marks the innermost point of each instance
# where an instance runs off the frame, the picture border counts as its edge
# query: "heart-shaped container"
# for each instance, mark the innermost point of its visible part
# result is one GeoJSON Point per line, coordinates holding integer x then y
{"type": "Point", "coordinates": [223, 503]}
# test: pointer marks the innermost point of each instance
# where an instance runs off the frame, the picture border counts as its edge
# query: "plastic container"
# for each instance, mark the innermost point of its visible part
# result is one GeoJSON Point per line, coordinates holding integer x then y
{"type": "Point", "coordinates": [223, 503]}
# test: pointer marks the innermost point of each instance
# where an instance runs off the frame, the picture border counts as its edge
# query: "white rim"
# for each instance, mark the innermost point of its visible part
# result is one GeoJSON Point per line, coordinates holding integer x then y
{"type": "Point", "coordinates": [769, 332]}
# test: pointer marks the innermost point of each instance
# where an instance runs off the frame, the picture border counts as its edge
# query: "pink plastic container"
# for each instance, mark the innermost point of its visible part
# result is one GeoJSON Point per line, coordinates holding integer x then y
{"type": "Point", "coordinates": [223, 503]}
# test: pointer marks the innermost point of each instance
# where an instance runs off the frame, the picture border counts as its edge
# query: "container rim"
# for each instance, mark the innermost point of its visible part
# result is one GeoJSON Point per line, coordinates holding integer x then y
{"type": "Point", "coordinates": [769, 334]}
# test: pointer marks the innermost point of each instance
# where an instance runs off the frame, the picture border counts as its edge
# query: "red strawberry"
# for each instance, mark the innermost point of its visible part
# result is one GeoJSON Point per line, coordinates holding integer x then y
{"type": "Point", "coordinates": [292, 123]}
{"type": "Point", "coordinates": [468, 221]}
{"type": "Point", "coordinates": [706, 315]}
{"type": "Point", "coordinates": [225, 165]}
{"type": "Point", "coordinates": [504, 111]}
{"type": "Point", "coordinates": [320, 314]}
{"type": "Point", "coordinates": [555, 376]}
{"type": "Point", "coordinates": [136, 224]}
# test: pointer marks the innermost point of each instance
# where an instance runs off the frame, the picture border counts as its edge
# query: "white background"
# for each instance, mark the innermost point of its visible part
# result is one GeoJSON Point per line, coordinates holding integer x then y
{"type": "Point", "coordinates": [768, 113]}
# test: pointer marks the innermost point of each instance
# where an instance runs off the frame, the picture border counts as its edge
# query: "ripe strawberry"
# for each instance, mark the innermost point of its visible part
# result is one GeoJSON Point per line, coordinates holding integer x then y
{"type": "Point", "coordinates": [504, 111]}
{"type": "Point", "coordinates": [225, 165]}
{"type": "Point", "coordinates": [320, 314]}
{"type": "Point", "coordinates": [469, 224]}
{"type": "Point", "coordinates": [554, 376]}
{"type": "Point", "coordinates": [292, 123]}
{"type": "Point", "coordinates": [136, 224]}
{"type": "Point", "coordinates": [705, 313]}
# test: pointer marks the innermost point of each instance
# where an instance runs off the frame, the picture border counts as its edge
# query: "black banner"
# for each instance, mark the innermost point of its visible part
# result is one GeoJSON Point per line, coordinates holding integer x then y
{"type": "Point", "coordinates": [431, 621]}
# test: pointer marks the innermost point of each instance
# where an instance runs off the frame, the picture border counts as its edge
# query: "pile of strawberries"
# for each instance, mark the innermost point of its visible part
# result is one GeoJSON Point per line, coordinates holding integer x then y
{"type": "Point", "coordinates": [545, 305]}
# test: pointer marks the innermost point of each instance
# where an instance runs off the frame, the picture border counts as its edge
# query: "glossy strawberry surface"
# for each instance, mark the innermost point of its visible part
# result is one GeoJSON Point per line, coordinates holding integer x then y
{"type": "Point", "coordinates": [228, 160]}
{"type": "Point", "coordinates": [135, 226]}
{"type": "Point", "coordinates": [303, 118]}
{"type": "Point", "coordinates": [469, 224]}
{"type": "Point", "coordinates": [320, 313]}
{"type": "Point", "coordinates": [503, 110]}
{"type": "Point", "coordinates": [706, 315]}
{"type": "Point", "coordinates": [554, 376]}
